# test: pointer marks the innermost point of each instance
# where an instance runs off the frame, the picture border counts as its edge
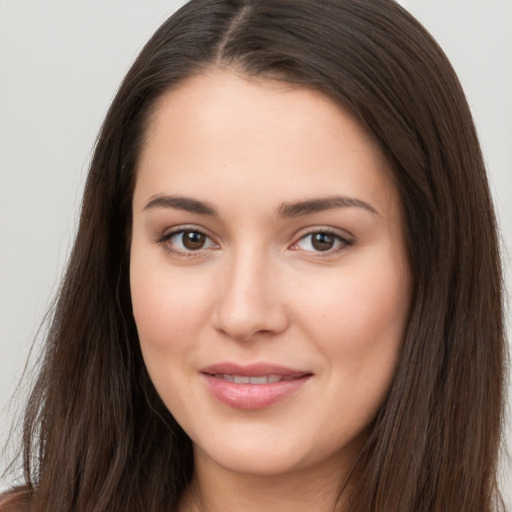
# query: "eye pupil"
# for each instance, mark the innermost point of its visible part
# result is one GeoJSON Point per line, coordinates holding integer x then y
{"type": "Point", "coordinates": [193, 240]}
{"type": "Point", "coordinates": [322, 241]}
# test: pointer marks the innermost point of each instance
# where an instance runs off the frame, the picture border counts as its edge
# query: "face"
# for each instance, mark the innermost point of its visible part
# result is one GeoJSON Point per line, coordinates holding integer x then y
{"type": "Point", "coordinates": [268, 272]}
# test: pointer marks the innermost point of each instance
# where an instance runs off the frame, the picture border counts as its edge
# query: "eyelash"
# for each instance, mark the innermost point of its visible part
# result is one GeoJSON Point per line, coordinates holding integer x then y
{"type": "Point", "coordinates": [343, 243]}
{"type": "Point", "coordinates": [164, 240]}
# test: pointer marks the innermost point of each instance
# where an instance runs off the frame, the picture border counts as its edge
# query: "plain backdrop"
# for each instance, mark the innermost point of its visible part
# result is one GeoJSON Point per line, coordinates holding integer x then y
{"type": "Point", "coordinates": [60, 65]}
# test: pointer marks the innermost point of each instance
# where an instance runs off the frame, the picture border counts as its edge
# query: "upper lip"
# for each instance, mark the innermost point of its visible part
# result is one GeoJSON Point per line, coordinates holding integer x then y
{"type": "Point", "coordinates": [253, 370]}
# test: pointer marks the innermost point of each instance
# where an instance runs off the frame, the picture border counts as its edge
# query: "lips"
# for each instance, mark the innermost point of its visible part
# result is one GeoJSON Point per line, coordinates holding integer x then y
{"type": "Point", "coordinates": [244, 379]}
{"type": "Point", "coordinates": [254, 386]}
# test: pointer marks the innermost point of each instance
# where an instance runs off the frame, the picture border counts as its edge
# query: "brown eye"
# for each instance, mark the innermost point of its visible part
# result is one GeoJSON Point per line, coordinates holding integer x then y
{"type": "Point", "coordinates": [322, 241]}
{"type": "Point", "coordinates": [187, 241]}
{"type": "Point", "coordinates": [193, 240]}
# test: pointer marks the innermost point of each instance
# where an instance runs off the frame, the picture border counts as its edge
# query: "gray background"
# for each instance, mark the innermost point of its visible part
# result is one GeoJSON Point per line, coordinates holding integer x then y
{"type": "Point", "coordinates": [60, 65]}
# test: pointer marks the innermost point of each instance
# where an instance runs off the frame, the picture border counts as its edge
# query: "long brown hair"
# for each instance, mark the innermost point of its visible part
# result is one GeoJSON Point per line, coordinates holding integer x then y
{"type": "Point", "coordinates": [97, 436]}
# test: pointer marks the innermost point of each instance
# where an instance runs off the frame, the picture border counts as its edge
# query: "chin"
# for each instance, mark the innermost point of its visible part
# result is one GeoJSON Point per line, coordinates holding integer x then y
{"type": "Point", "coordinates": [274, 455]}
{"type": "Point", "coordinates": [256, 462]}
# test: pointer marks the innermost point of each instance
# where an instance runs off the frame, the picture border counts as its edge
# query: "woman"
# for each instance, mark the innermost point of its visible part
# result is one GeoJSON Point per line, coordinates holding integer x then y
{"type": "Point", "coordinates": [285, 288]}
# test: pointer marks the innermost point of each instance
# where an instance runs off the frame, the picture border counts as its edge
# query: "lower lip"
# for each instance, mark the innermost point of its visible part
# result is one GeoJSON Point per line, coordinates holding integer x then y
{"type": "Point", "coordinates": [252, 396]}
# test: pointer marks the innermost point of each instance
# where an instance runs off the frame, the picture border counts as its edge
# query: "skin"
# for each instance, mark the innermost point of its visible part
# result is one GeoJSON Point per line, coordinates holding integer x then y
{"type": "Point", "coordinates": [258, 290]}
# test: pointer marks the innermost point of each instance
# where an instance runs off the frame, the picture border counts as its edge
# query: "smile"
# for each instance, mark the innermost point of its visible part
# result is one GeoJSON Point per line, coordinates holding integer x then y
{"type": "Point", "coordinates": [244, 379]}
{"type": "Point", "coordinates": [252, 387]}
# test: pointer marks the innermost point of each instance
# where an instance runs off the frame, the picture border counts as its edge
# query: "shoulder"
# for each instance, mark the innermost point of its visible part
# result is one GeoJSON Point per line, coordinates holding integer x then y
{"type": "Point", "coordinates": [13, 501]}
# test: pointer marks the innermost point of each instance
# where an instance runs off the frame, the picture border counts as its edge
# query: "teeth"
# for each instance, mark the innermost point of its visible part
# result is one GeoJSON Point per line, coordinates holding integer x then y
{"type": "Point", "coordinates": [239, 379]}
{"type": "Point", "coordinates": [260, 379]}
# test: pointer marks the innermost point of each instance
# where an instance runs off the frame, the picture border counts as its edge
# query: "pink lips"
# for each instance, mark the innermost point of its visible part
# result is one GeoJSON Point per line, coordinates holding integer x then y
{"type": "Point", "coordinates": [254, 386]}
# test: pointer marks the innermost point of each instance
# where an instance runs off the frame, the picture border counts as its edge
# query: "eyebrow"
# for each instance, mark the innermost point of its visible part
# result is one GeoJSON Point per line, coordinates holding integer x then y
{"type": "Point", "coordinates": [182, 203]}
{"type": "Point", "coordinates": [311, 206]}
{"type": "Point", "coordinates": [286, 210]}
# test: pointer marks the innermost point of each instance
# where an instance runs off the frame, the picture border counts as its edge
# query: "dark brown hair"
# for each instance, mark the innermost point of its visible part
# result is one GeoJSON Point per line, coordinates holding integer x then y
{"type": "Point", "coordinates": [97, 436]}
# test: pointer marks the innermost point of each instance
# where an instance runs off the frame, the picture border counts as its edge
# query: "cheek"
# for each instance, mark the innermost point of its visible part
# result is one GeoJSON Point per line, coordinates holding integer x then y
{"type": "Point", "coordinates": [167, 309]}
{"type": "Point", "coordinates": [168, 306]}
{"type": "Point", "coordinates": [358, 318]}
{"type": "Point", "coordinates": [353, 310]}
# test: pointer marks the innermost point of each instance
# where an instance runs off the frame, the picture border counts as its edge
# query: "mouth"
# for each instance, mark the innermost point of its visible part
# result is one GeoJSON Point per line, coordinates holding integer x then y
{"type": "Point", "coordinates": [255, 386]}
{"type": "Point", "coordinates": [245, 379]}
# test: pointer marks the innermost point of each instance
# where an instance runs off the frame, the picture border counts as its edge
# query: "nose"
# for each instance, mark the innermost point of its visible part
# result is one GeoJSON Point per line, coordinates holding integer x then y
{"type": "Point", "coordinates": [250, 303]}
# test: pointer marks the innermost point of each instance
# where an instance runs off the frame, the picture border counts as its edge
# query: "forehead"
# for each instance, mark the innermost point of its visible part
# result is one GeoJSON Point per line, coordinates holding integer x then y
{"type": "Point", "coordinates": [223, 130]}
{"type": "Point", "coordinates": [224, 99]}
